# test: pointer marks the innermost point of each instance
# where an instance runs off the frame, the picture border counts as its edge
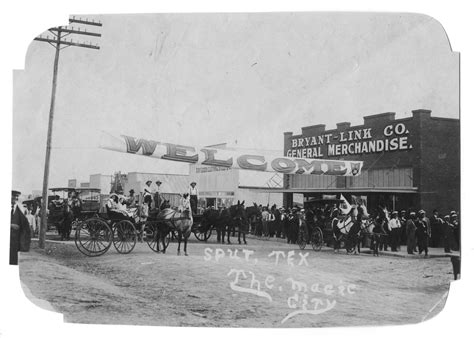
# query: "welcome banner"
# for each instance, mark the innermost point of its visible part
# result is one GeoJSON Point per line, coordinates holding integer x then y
{"type": "Point", "coordinates": [228, 158]}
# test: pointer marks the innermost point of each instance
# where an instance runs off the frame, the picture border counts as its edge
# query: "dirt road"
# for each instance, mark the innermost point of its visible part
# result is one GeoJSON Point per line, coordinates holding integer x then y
{"type": "Point", "coordinates": [213, 287]}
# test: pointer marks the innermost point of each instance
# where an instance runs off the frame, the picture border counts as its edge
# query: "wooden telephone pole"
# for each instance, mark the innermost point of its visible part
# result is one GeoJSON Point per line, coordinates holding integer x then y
{"type": "Point", "coordinates": [59, 42]}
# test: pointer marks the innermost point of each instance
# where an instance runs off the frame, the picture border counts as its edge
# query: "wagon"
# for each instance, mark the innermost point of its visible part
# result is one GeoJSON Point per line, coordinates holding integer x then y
{"type": "Point", "coordinates": [90, 205]}
{"type": "Point", "coordinates": [322, 232]}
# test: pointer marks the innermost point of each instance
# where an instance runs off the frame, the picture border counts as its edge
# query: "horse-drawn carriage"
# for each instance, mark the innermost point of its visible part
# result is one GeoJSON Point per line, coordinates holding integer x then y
{"type": "Point", "coordinates": [86, 204]}
{"type": "Point", "coordinates": [325, 210]}
{"type": "Point", "coordinates": [94, 236]}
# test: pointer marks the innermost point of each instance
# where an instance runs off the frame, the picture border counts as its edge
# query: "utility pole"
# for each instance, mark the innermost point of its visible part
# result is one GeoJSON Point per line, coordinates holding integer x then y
{"type": "Point", "coordinates": [59, 42]}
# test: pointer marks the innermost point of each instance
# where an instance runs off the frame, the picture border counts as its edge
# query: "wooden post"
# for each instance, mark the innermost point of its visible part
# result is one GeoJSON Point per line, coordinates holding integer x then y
{"type": "Point", "coordinates": [44, 201]}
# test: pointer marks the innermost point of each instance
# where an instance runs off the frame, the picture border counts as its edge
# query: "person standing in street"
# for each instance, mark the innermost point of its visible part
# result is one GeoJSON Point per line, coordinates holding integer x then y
{"type": "Point", "coordinates": [411, 233]}
{"type": "Point", "coordinates": [394, 230]}
{"type": "Point", "coordinates": [265, 220]}
{"type": "Point", "coordinates": [402, 239]}
{"type": "Point", "coordinates": [428, 224]}
{"type": "Point", "coordinates": [447, 233]}
{"type": "Point", "coordinates": [422, 233]}
{"type": "Point", "coordinates": [193, 197]}
{"type": "Point", "coordinates": [31, 220]}
{"type": "Point", "coordinates": [20, 234]}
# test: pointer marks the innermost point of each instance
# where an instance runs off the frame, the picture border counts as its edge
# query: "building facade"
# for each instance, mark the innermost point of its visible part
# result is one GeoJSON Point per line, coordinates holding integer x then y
{"type": "Point", "coordinates": [408, 163]}
{"type": "Point", "coordinates": [223, 187]}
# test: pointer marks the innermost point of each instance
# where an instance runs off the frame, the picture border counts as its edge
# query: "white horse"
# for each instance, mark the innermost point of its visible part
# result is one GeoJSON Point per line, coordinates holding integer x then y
{"type": "Point", "coordinates": [344, 229]}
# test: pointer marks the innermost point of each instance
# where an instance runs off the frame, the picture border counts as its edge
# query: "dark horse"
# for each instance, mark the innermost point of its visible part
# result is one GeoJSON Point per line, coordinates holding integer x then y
{"type": "Point", "coordinates": [237, 219]}
{"type": "Point", "coordinates": [216, 219]}
{"type": "Point", "coordinates": [180, 222]}
{"type": "Point", "coordinates": [254, 218]}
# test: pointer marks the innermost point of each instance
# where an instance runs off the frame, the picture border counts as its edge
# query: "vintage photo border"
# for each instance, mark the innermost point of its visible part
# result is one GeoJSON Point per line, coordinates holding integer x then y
{"type": "Point", "coordinates": [456, 23]}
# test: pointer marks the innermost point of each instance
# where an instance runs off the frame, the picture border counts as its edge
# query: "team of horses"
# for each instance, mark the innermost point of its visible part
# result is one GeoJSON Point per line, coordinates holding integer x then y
{"type": "Point", "coordinates": [349, 229]}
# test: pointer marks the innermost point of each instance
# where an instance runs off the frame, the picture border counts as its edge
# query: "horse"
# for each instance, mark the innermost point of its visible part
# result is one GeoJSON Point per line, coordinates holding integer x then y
{"type": "Point", "coordinates": [379, 237]}
{"type": "Point", "coordinates": [254, 217]}
{"type": "Point", "coordinates": [172, 220]}
{"type": "Point", "coordinates": [217, 219]}
{"type": "Point", "coordinates": [347, 228]}
{"type": "Point", "coordinates": [237, 220]}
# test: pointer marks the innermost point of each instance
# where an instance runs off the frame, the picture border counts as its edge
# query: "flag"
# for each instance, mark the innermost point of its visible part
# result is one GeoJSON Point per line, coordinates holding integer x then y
{"type": "Point", "coordinates": [345, 207]}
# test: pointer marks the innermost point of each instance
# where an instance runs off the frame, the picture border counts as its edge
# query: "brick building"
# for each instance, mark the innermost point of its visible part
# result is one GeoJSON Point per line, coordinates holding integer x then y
{"type": "Point", "coordinates": [409, 163]}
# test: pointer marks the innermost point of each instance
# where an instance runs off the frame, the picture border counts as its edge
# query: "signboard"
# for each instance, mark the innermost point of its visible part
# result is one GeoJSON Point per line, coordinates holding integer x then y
{"type": "Point", "coordinates": [350, 142]}
{"type": "Point", "coordinates": [229, 158]}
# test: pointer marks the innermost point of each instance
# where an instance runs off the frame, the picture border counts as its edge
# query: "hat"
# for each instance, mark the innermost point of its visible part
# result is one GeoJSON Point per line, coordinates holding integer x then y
{"type": "Point", "coordinates": [403, 212]}
{"type": "Point", "coordinates": [16, 193]}
{"type": "Point", "coordinates": [447, 217]}
{"type": "Point", "coordinates": [148, 181]}
{"type": "Point", "coordinates": [453, 213]}
{"type": "Point", "coordinates": [412, 213]}
{"type": "Point", "coordinates": [394, 213]}
{"type": "Point", "coordinates": [158, 182]}
{"type": "Point", "coordinates": [193, 183]}
{"type": "Point", "coordinates": [131, 190]}
{"type": "Point", "coordinates": [421, 211]}
{"type": "Point", "coordinates": [113, 194]}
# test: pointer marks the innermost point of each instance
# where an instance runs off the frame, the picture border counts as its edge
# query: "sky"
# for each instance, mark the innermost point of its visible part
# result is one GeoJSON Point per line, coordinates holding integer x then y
{"type": "Point", "coordinates": [244, 79]}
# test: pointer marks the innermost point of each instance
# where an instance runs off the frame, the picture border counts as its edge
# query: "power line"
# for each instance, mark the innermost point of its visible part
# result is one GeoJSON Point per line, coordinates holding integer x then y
{"type": "Point", "coordinates": [59, 42]}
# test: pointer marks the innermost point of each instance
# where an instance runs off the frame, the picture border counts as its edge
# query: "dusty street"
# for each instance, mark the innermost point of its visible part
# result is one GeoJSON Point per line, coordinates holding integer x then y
{"type": "Point", "coordinates": [210, 288]}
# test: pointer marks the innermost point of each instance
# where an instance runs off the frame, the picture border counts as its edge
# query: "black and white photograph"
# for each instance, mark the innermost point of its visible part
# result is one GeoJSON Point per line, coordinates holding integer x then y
{"type": "Point", "coordinates": [238, 170]}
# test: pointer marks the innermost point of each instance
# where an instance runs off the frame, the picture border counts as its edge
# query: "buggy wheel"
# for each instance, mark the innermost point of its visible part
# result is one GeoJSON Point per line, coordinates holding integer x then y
{"type": "Point", "coordinates": [202, 236]}
{"type": "Point", "coordinates": [301, 240]}
{"type": "Point", "coordinates": [317, 239]}
{"type": "Point", "coordinates": [152, 237]}
{"type": "Point", "coordinates": [93, 237]}
{"type": "Point", "coordinates": [125, 236]}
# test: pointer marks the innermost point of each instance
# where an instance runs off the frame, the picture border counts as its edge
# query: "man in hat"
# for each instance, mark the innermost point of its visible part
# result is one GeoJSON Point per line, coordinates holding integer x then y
{"type": "Point", "coordinates": [147, 193]}
{"type": "Point", "coordinates": [411, 233]}
{"type": "Point", "coordinates": [20, 235]}
{"type": "Point", "coordinates": [193, 197]}
{"type": "Point", "coordinates": [130, 200]}
{"type": "Point", "coordinates": [403, 229]}
{"type": "Point", "coordinates": [422, 233]}
{"type": "Point", "coordinates": [157, 196]}
{"type": "Point", "coordinates": [394, 230]}
{"type": "Point", "coordinates": [447, 233]}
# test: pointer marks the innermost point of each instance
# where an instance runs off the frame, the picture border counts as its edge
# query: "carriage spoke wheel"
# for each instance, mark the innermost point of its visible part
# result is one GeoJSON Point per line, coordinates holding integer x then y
{"type": "Point", "coordinates": [125, 237]}
{"type": "Point", "coordinates": [203, 234]}
{"type": "Point", "coordinates": [93, 237]}
{"type": "Point", "coordinates": [317, 239]}
{"type": "Point", "coordinates": [152, 236]}
{"type": "Point", "coordinates": [301, 240]}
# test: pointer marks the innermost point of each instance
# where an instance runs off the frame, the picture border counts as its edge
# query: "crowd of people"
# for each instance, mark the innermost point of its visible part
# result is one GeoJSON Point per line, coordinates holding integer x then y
{"type": "Point", "coordinates": [419, 232]}
{"type": "Point", "coordinates": [391, 229]}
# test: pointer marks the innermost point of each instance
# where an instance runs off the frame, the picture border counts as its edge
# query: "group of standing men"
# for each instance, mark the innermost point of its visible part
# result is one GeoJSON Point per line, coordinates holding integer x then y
{"type": "Point", "coordinates": [417, 230]}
